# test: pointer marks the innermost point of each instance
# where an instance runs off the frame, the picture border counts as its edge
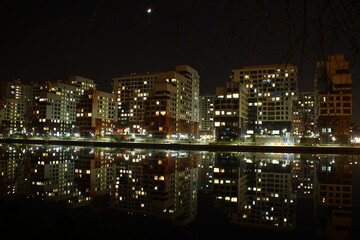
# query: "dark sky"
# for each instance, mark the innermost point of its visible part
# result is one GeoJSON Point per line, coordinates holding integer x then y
{"type": "Point", "coordinates": [100, 40]}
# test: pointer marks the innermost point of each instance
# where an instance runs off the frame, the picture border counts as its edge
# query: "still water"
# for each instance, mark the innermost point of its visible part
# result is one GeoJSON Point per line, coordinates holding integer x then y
{"type": "Point", "coordinates": [58, 192]}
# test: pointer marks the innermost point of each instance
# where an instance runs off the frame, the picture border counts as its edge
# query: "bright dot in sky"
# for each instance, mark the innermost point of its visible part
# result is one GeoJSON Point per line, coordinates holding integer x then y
{"type": "Point", "coordinates": [149, 10]}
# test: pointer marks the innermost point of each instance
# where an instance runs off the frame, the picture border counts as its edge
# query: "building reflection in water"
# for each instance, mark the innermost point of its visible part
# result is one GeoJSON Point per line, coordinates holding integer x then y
{"type": "Point", "coordinates": [333, 196]}
{"type": "Point", "coordinates": [256, 189]}
{"type": "Point", "coordinates": [260, 190]}
{"type": "Point", "coordinates": [158, 183]}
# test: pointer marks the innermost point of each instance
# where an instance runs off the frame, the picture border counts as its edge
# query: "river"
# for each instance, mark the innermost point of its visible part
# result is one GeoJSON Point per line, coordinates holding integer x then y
{"type": "Point", "coordinates": [69, 192]}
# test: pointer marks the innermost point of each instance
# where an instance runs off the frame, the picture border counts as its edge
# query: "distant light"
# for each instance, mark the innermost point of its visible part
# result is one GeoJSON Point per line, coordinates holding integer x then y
{"type": "Point", "coordinates": [149, 10]}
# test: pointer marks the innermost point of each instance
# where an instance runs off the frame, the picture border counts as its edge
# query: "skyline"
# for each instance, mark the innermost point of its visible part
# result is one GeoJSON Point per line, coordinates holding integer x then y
{"type": "Point", "coordinates": [101, 40]}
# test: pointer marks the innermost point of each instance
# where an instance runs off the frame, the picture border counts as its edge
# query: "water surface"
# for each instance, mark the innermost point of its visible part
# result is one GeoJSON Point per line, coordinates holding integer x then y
{"type": "Point", "coordinates": [67, 192]}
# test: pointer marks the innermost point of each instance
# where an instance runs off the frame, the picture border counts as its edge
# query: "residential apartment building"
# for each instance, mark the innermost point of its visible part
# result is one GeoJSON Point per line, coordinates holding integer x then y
{"type": "Point", "coordinates": [81, 82]}
{"type": "Point", "coordinates": [96, 113]}
{"type": "Point", "coordinates": [304, 123]}
{"type": "Point", "coordinates": [54, 109]}
{"type": "Point", "coordinates": [333, 86]}
{"type": "Point", "coordinates": [15, 98]}
{"type": "Point", "coordinates": [131, 92]}
{"type": "Point", "coordinates": [206, 120]}
{"type": "Point", "coordinates": [161, 105]}
{"type": "Point", "coordinates": [271, 94]}
{"type": "Point", "coordinates": [231, 111]}
{"type": "Point", "coordinates": [54, 106]}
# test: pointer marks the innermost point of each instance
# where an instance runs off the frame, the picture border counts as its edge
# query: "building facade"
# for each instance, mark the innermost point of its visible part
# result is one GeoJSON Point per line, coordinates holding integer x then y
{"type": "Point", "coordinates": [53, 111]}
{"type": "Point", "coordinates": [96, 113]}
{"type": "Point", "coordinates": [15, 99]}
{"type": "Point", "coordinates": [333, 85]}
{"type": "Point", "coordinates": [231, 111]}
{"type": "Point", "coordinates": [206, 120]}
{"type": "Point", "coordinates": [161, 105]}
{"type": "Point", "coordinates": [304, 123]}
{"type": "Point", "coordinates": [271, 94]}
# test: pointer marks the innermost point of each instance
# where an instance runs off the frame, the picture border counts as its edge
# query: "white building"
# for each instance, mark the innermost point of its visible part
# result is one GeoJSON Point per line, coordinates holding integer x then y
{"type": "Point", "coordinates": [272, 89]}
{"type": "Point", "coordinates": [165, 103]}
{"type": "Point", "coordinates": [15, 98]}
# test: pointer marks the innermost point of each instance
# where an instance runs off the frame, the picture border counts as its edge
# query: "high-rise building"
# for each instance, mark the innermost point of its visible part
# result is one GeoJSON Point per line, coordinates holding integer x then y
{"type": "Point", "coordinates": [81, 82]}
{"type": "Point", "coordinates": [231, 111]}
{"type": "Point", "coordinates": [206, 123]}
{"type": "Point", "coordinates": [333, 99]}
{"type": "Point", "coordinates": [96, 113]}
{"type": "Point", "coordinates": [54, 109]}
{"type": "Point", "coordinates": [304, 114]}
{"type": "Point", "coordinates": [15, 99]}
{"type": "Point", "coordinates": [54, 106]}
{"type": "Point", "coordinates": [161, 105]}
{"type": "Point", "coordinates": [271, 94]}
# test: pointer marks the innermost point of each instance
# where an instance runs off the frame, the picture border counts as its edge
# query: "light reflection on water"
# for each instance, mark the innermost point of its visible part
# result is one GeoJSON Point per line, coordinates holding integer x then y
{"type": "Point", "coordinates": [285, 193]}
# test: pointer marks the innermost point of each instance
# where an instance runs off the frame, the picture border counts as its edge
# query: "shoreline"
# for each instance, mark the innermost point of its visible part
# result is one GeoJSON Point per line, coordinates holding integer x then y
{"type": "Point", "coordinates": [193, 147]}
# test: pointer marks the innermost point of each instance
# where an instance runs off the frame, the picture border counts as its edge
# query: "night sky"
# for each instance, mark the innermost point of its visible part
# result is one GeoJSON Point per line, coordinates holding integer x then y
{"type": "Point", "coordinates": [51, 40]}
